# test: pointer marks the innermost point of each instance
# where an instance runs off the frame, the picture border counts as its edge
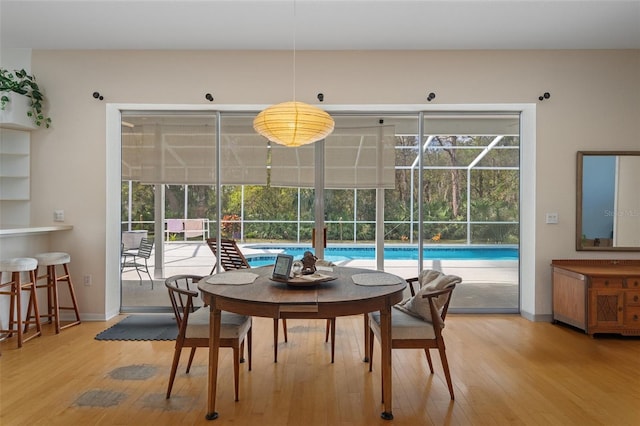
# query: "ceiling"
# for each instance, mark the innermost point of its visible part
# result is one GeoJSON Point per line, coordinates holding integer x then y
{"type": "Point", "coordinates": [320, 24]}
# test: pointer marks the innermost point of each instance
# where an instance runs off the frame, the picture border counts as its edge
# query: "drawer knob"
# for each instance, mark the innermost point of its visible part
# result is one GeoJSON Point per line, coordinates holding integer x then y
{"type": "Point", "coordinates": [635, 317]}
{"type": "Point", "coordinates": [635, 298]}
{"type": "Point", "coordinates": [636, 283]}
{"type": "Point", "coordinates": [606, 282]}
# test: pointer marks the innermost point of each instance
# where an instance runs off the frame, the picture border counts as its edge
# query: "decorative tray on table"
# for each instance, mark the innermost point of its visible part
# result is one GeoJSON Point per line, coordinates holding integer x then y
{"type": "Point", "coordinates": [305, 280]}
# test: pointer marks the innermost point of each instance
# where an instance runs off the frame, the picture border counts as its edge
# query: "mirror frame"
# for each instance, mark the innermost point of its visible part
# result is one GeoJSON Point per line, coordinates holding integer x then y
{"type": "Point", "coordinates": [579, 172]}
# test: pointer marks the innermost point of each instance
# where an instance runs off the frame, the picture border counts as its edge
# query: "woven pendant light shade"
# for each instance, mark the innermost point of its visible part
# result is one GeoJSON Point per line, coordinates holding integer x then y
{"type": "Point", "coordinates": [293, 123]}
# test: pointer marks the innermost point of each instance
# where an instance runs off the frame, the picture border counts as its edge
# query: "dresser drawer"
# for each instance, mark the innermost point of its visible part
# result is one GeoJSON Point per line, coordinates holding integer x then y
{"type": "Point", "coordinates": [607, 282]}
{"type": "Point", "coordinates": [632, 317]}
{"type": "Point", "coordinates": [632, 298]}
{"type": "Point", "coordinates": [633, 283]}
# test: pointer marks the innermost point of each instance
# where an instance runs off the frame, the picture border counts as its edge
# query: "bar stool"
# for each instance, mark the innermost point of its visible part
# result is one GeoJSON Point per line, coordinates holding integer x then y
{"type": "Point", "coordinates": [16, 323]}
{"type": "Point", "coordinates": [51, 261]}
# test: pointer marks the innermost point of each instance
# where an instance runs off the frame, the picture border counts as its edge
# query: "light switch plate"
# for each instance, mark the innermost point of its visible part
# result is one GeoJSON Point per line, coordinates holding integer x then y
{"type": "Point", "coordinates": [58, 215]}
{"type": "Point", "coordinates": [552, 218]}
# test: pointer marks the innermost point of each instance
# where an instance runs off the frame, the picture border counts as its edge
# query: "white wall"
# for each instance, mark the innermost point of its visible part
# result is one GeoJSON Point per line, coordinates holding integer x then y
{"type": "Point", "coordinates": [594, 104]}
{"type": "Point", "coordinates": [627, 211]}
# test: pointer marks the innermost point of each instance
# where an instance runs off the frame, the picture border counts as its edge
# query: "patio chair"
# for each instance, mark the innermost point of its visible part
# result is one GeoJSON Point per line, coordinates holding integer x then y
{"type": "Point", "coordinates": [137, 259]}
{"type": "Point", "coordinates": [193, 327]}
{"type": "Point", "coordinates": [417, 322]}
{"type": "Point", "coordinates": [230, 257]}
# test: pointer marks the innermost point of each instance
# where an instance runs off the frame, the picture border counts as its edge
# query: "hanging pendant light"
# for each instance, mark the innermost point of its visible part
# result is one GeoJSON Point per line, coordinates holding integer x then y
{"type": "Point", "coordinates": [293, 123]}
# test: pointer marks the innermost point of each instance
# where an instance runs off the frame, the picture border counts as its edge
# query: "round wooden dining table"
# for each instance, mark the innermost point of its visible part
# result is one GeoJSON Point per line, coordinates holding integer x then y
{"type": "Point", "coordinates": [350, 291]}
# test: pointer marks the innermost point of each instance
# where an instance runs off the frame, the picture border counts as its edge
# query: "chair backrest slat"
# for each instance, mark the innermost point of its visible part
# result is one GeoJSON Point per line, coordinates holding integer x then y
{"type": "Point", "coordinates": [182, 292]}
{"type": "Point", "coordinates": [144, 251]}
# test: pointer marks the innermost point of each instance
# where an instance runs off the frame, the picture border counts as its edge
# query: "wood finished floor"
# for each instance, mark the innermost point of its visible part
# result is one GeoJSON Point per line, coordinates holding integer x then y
{"type": "Point", "coordinates": [506, 371]}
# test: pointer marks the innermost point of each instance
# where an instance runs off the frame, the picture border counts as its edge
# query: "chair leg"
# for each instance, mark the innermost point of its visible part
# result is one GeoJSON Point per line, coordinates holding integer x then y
{"type": "Point", "coordinates": [332, 321]}
{"type": "Point", "coordinates": [146, 269]}
{"type": "Point", "coordinates": [445, 366]}
{"type": "Point", "coordinates": [284, 330]}
{"type": "Point", "coordinates": [236, 368]}
{"type": "Point", "coordinates": [137, 269]}
{"type": "Point", "coordinates": [326, 331]}
{"type": "Point", "coordinates": [174, 368]}
{"type": "Point", "coordinates": [241, 352]}
{"type": "Point", "coordinates": [426, 352]}
{"type": "Point", "coordinates": [249, 338]}
{"type": "Point", "coordinates": [370, 339]}
{"type": "Point", "coordinates": [366, 337]}
{"type": "Point", "coordinates": [191, 355]}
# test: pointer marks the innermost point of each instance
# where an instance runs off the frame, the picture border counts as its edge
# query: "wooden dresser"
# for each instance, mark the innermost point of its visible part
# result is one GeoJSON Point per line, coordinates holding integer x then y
{"type": "Point", "coordinates": [597, 296]}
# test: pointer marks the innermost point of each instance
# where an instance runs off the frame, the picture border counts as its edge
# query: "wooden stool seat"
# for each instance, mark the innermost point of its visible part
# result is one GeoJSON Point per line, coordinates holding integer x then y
{"type": "Point", "coordinates": [16, 267]}
{"type": "Point", "coordinates": [50, 261]}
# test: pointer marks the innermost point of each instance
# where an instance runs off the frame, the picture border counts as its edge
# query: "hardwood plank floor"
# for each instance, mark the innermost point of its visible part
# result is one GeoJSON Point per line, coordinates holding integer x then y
{"type": "Point", "coordinates": [506, 371]}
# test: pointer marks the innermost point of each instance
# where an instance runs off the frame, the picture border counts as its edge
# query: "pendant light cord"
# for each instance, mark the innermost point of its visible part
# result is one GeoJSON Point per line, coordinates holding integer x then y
{"type": "Point", "coordinates": [294, 50]}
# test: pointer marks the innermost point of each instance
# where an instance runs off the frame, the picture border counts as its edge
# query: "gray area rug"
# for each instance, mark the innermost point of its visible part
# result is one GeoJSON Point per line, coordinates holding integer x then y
{"type": "Point", "coordinates": [142, 327]}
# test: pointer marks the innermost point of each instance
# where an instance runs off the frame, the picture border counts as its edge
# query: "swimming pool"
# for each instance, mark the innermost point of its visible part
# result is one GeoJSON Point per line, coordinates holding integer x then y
{"type": "Point", "coordinates": [346, 252]}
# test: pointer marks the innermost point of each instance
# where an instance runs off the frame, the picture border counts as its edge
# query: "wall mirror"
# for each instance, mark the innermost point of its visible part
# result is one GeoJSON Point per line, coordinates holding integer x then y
{"type": "Point", "coordinates": [608, 201]}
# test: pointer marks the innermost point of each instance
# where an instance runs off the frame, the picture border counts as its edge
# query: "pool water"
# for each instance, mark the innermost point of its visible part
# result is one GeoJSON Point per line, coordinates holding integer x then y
{"type": "Point", "coordinates": [343, 253]}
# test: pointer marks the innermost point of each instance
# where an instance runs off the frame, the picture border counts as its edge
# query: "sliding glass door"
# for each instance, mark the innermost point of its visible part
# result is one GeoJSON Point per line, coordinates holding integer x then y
{"type": "Point", "coordinates": [168, 164]}
{"type": "Point", "coordinates": [391, 191]}
{"type": "Point", "coordinates": [470, 205]}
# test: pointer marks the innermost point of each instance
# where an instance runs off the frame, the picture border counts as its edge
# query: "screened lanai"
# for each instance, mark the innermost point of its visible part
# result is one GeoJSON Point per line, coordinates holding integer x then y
{"type": "Point", "coordinates": [379, 180]}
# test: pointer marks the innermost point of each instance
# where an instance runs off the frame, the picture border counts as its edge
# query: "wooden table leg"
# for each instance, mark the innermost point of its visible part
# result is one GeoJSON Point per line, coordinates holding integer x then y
{"type": "Point", "coordinates": [385, 361]}
{"type": "Point", "coordinates": [214, 346]}
{"type": "Point", "coordinates": [366, 337]}
{"type": "Point", "coordinates": [275, 339]}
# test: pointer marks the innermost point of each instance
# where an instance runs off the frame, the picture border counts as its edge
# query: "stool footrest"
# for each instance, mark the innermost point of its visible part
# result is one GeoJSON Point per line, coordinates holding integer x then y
{"type": "Point", "coordinates": [71, 324]}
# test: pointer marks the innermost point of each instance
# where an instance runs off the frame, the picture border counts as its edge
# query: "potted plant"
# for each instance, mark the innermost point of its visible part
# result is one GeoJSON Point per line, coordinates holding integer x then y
{"type": "Point", "coordinates": [21, 83]}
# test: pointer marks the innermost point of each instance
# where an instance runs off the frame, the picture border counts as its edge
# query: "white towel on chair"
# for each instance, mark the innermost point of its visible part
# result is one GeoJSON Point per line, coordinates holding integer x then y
{"type": "Point", "coordinates": [174, 225]}
{"type": "Point", "coordinates": [193, 227]}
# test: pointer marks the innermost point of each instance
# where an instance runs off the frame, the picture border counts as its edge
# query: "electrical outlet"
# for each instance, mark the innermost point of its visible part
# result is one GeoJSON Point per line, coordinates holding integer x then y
{"type": "Point", "coordinates": [552, 218]}
{"type": "Point", "coordinates": [87, 280]}
{"type": "Point", "coordinates": [58, 215]}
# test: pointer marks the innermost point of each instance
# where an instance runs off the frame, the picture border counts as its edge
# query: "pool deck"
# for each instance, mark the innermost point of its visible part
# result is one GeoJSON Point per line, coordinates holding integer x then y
{"type": "Point", "coordinates": [487, 284]}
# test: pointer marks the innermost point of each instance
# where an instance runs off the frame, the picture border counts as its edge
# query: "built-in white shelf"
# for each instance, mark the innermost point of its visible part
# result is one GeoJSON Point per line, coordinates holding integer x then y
{"type": "Point", "coordinates": [14, 164]}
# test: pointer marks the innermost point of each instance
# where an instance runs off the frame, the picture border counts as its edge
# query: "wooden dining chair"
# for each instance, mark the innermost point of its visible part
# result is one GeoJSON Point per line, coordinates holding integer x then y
{"type": "Point", "coordinates": [193, 327]}
{"type": "Point", "coordinates": [417, 322]}
{"type": "Point", "coordinates": [231, 258]}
